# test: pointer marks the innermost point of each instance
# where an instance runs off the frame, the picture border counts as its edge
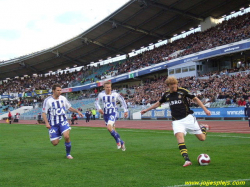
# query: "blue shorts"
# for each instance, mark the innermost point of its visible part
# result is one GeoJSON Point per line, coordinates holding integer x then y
{"type": "Point", "coordinates": [57, 130]}
{"type": "Point", "coordinates": [109, 118]}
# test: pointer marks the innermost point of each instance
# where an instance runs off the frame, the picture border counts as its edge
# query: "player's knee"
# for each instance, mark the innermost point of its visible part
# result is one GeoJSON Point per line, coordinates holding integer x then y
{"type": "Point", "coordinates": [203, 138]}
{"type": "Point", "coordinates": [55, 143]}
{"type": "Point", "coordinates": [66, 137]}
{"type": "Point", "coordinates": [109, 127]}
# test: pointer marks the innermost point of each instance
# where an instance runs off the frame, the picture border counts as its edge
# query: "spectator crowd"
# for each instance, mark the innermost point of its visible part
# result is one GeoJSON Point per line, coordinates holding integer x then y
{"type": "Point", "coordinates": [212, 86]}
{"type": "Point", "coordinates": [41, 82]}
{"type": "Point", "coordinates": [229, 31]}
{"type": "Point", "coordinates": [234, 89]}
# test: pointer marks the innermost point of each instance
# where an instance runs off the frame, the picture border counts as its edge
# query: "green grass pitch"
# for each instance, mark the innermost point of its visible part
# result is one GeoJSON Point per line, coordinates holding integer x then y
{"type": "Point", "coordinates": [152, 158]}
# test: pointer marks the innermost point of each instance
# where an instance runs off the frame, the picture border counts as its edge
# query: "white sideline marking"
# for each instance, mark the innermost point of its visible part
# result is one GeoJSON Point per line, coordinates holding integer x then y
{"type": "Point", "coordinates": [164, 132]}
{"type": "Point", "coordinates": [153, 131]}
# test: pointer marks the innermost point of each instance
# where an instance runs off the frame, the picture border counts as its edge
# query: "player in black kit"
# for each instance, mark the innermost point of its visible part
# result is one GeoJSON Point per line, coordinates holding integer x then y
{"type": "Point", "coordinates": [183, 120]}
{"type": "Point", "coordinates": [247, 110]}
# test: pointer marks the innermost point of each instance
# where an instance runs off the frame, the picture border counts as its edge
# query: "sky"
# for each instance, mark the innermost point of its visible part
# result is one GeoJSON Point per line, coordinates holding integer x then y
{"type": "Point", "coordinates": [27, 26]}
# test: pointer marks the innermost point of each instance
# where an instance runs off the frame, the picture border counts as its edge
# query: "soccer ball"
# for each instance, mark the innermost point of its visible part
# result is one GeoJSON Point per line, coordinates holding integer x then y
{"type": "Point", "coordinates": [203, 159]}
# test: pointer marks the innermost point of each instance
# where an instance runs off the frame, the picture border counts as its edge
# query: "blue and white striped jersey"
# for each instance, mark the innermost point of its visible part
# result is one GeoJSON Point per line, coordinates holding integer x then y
{"type": "Point", "coordinates": [109, 102]}
{"type": "Point", "coordinates": [56, 109]}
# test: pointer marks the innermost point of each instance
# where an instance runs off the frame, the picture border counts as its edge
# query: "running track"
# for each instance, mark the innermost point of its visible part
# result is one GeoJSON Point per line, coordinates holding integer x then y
{"type": "Point", "coordinates": [215, 126]}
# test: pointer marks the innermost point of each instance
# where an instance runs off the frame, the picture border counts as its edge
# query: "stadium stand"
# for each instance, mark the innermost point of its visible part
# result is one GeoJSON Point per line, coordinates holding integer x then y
{"type": "Point", "coordinates": [229, 31]}
{"type": "Point", "coordinates": [214, 87]}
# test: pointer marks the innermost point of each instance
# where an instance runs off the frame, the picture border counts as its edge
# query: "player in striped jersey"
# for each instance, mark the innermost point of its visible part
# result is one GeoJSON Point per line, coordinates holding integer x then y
{"type": "Point", "coordinates": [109, 99]}
{"type": "Point", "coordinates": [54, 115]}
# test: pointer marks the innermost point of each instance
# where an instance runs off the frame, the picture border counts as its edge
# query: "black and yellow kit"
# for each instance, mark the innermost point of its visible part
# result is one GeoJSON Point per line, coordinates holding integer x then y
{"type": "Point", "coordinates": [178, 103]}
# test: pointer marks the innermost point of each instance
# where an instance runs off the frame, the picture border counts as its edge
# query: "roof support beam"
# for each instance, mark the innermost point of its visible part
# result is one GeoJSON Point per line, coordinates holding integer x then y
{"type": "Point", "coordinates": [22, 66]}
{"type": "Point", "coordinates": [58, 54]}
{"type": "Point", "coordinates": [28, 66]}
{"type": "Point", "coordinates": [71, 59]}
{"type": "Point", "coordinates": [220, 5]}
{"type": "Point", "coordinates": [136, 29]}
{"type": "Point", "coordinates": [92, 51]}
{"type": "Point", "coordinates": [178, 27]}
{"type": "Point", "coordinates": [102, 45]}
{"type": "Point", "coordinates": [32, 68]}
{"type": "Point", "coordinates": [129, 18]}
{"type": "Point", "coordinates": [2, 72]}
{"type": "Point", "coordinates": [132, 41]}
{"type": "Point", "coordinates": [55, 66]}
{"type": "Point", "coordinates": [132, 17]}
{"type": "Point", "coordinates": [177, 11]}
{"type": "Point", "coordinates": [163, 24]}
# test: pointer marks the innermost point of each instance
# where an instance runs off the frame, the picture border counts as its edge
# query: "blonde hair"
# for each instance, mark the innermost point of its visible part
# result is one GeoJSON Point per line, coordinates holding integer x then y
{"type": "Point", "coordinates": [107, 82]}
{"type": "Point", "coordinates": [171, 80]}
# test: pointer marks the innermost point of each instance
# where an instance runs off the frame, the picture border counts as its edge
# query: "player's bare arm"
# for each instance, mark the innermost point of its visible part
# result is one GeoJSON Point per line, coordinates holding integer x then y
{"type": "Point", "coordinates": [46, 121]}
{"type": "Point", "coordinates": [157, 104]}
{"type": "Point", "coordinates": [125, 114]}
{"type": "Point", "coordinates": [198, 101]}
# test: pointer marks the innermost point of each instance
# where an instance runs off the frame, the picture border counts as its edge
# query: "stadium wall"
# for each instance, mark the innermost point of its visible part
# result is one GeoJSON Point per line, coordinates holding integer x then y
{"type": "Point", "coordinates": [221, 113]}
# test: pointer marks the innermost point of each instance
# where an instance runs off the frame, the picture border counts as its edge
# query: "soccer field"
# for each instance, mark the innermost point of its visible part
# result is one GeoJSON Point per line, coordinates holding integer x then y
{"type": "Point", "coordinates": [152, 158]}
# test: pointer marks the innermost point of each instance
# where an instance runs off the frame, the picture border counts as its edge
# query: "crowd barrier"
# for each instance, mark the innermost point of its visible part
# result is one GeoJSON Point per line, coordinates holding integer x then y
{"type": "Point", "coordinates": [229, 112]}
{"type": "Point", "coordinates": [120, 115]}
{"type": "Point", "coordinates": [222, 113]}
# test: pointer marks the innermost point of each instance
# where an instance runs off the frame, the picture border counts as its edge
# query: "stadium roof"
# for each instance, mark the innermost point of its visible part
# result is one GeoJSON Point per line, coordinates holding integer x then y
{"type": "Point", "coordinates": [138, 23]}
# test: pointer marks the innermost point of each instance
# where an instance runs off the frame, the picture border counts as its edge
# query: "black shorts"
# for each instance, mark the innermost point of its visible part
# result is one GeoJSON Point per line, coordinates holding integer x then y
{"type": "Point", "coordinates": [9, 118]}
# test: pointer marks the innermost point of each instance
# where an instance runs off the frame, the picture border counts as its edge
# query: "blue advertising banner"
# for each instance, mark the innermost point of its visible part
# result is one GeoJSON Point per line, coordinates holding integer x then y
{"type": "Point", "coordinates": [231, 48]}
{"type": "Point", "coordinates": [32, 94]}
{"type": "Point", "coordinates": [84, 87]}
{"type": "Point", "coordinates": [4, 96]}
{"type": "Point", "coordinates": [221, 112]}
{"type": "Point", "coordinates": [198, 112]}
{"type": "Point", "coordinates": [121, 78]}
{"type": "Point", "coordinates": [151, 70]}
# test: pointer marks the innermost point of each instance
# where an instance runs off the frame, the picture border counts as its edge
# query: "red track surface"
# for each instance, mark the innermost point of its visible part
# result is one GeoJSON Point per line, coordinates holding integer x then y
{"type": "Point", "coordinates": [215, 126]}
